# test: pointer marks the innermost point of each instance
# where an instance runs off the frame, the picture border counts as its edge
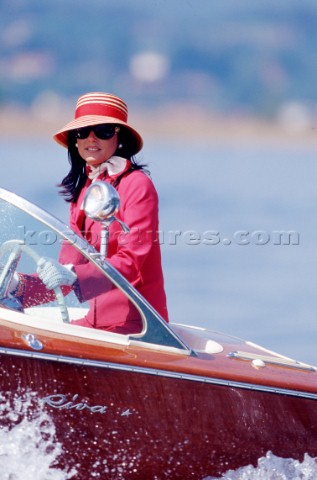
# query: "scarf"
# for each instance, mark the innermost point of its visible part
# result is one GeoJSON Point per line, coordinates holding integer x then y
{"type": "Point", "coordinates": [113, 166]}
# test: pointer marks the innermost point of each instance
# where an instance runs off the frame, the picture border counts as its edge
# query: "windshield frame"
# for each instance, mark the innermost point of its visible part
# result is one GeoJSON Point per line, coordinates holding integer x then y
{"type": "Point", "coordinates": [155, 329]}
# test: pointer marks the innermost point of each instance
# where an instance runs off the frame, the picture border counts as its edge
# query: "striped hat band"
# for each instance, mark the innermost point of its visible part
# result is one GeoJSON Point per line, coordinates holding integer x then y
{"type": "Point", "coordinates": [103, 104]}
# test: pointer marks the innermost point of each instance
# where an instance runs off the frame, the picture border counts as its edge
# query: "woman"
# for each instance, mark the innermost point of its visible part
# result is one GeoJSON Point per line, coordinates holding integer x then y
{"type": "Point", "coordinates": [101, 146]}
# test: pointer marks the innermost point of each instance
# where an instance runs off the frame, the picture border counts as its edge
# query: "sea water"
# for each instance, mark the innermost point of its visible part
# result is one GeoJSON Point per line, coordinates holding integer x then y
{"type": "Point", "coordinates": [271, 467]}
{"type": "Point", "coordinates": [29, 449]}
{"type": "Point", "coordinates": [238, 237]}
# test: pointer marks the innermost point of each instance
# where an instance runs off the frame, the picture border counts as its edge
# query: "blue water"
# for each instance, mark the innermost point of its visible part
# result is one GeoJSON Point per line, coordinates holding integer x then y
{"type": "Point", "coordinates": [254, 286]}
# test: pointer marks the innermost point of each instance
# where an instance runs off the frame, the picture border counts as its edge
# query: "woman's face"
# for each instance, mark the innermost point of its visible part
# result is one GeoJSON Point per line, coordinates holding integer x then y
{"type": "Point", "coordinates": [95, 150]}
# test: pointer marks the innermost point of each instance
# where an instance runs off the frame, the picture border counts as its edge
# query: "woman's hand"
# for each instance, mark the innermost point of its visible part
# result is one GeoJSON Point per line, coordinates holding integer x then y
{"type": "Point", "coordinates": [53, 274]}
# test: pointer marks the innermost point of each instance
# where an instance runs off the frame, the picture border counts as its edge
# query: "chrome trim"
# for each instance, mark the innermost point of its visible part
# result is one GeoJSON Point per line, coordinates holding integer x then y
{"type": "Point", "coordinates": [32, 341]}
{"type": "Point", "coordinates": [156, 372]}
{"type": "Point", "coordinates": [279, 361]}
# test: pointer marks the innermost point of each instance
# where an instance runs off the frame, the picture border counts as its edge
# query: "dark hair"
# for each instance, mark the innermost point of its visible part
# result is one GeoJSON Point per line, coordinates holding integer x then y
{"type": "Point", "coordinates": [71, 185]}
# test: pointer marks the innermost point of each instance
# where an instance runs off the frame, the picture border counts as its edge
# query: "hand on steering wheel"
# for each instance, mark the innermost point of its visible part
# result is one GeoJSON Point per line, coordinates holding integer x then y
{"type": "Point", "coordinates": [50, 272]}
{"type": "Point", "coordinates": [53, 274]}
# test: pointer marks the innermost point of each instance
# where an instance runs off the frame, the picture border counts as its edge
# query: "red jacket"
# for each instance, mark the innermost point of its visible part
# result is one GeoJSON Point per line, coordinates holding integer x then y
{"type": "Point", "coordinates": [135, 255]}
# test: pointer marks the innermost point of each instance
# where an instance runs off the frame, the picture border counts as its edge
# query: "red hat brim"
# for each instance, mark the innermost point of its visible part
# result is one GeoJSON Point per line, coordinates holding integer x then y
{"type": "Point", "coordinates": [61, 136]}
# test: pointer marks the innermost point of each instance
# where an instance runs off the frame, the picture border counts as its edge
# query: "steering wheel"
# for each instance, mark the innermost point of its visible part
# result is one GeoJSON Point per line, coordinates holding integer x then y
{"type": "Point", "coordinates": [15, 249]}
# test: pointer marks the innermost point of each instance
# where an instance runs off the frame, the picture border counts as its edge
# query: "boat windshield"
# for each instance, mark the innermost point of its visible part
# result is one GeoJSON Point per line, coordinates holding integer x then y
{"type": "Point", "coordinates": [28, 235]}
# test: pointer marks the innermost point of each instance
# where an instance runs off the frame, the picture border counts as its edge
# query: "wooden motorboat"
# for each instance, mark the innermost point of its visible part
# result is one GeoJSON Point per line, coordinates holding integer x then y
{"type": "Point", "coordinates": [173, 401]}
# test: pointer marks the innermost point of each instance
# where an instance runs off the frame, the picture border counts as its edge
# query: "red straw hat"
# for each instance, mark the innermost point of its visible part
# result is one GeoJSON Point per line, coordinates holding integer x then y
{"type": "Point", "coordinates": [97, 108]}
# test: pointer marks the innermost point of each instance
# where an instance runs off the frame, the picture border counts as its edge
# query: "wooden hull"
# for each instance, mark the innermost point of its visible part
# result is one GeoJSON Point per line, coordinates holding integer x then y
{"type": "Point", "coordinates": [118, 421]}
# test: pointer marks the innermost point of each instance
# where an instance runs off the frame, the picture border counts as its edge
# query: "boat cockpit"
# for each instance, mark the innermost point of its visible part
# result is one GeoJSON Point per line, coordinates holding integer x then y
{"type": "Point", "coordinates": [29, 233]}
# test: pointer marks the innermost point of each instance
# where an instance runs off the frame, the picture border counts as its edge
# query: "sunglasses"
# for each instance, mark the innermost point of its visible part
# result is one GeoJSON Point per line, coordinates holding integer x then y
{"type": "Point", "coordinates": [103, 132]}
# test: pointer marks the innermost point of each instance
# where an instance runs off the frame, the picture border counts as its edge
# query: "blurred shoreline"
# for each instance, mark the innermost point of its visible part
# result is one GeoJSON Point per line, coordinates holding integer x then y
{"type": "Point", "coordinates": [187, 123]}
